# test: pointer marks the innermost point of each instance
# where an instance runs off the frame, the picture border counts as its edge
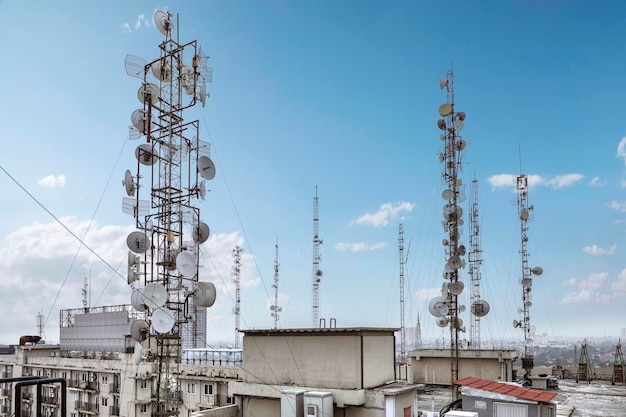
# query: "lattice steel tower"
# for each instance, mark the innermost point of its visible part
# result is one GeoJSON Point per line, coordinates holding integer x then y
{"type": "Point", "coordinates": [163, 262]}
{"type": "Point", "coordinates": [402, 262]}
{"type": "Point", "coordinates": [317, 273]}
{"type": "Point", "coordinates": [475, 261]}
{"type": "Point", "coordinates": [237, 281]}
{"type": "Point", "coordinates": [275, 308]}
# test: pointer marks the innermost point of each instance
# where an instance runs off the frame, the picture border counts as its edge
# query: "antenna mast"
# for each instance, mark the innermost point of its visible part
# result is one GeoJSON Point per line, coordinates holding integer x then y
{"type": "Point", "coordinates": [175, 164]}
{"type": "Point", "coordinates": [85, 293]}
{"type": "Point", "coordinates": [317, 273]}
{"type": "Point", "coordinates": [237, 281]}
{"type": "Point", "coordinates": [402, 262]}
{"type": "Point", "coordinates": [527, 281]}
{"type": "Point", "coordinates": [446, 307]}
{"type": "Point", "coordinates": [275, 308]}
{"type": "Point", "coordinates": [475, 260]}
{"type": "Point", "coordinates": [40, 326]}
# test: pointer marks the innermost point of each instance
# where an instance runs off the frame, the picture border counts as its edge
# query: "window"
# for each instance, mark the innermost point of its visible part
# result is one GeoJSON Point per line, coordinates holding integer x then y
{"type": "Point", "coordinates": [191, 388]}
{"type": "Point", "coordinates": [143, 408]}
{"type": "Point", "coordinates": [208, 389]}
{"type": "Point", "coordinates": [105, 401]}
{"type": "Point", "coordinates": [229, 400]}
{"type": "Point", "coordinates": [83, 377]}
{"type": "Point", "coordinates": [105, 379]}
{"type": "Point", "coordinates": [38, 372]}
{"type": "Point", "coordinates": [64, 375]}
{"type": "Point", "coordinates": [144, 384]}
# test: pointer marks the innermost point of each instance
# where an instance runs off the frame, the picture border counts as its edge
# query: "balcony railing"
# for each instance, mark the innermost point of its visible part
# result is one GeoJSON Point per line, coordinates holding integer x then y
{"type": "Point", "coordinates": [5, 392]}
{"type": "Point", "coordinates": [86, 385]}
{"type": "Point", "coordinates": [114, 411]}
{"type": "Point", "coordinates": [85, 407]}
{"type": "Point", "coordinates": [114, 388]}
{"type": "Point", "coordinates": [47, 399]}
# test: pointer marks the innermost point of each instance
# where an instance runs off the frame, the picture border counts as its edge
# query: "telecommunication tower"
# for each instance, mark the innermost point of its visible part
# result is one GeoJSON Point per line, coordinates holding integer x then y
{"type": "Point", "coordinates": [524, 212]}
{"type": "Point", "coordinates": [446, 307]}
{"type": "Point", "coordinates": [618, 364]}
{"type": "Point", "coordinates": [585, 367]}
{"type": "Point", "coordinates": [237, 281]}
{"type": "Point", "coordinates": [317, 273]}
{"type": "Point", "coordinates": [275, 308]}
{"type": "Point", "coordinates": [173, 164]}
{"type": "Point", "coordinates": [479, 307]}
{"type": "Point", "coordinates": [40, 326]}
{"type": "Point", "coordinates": [402, 262]}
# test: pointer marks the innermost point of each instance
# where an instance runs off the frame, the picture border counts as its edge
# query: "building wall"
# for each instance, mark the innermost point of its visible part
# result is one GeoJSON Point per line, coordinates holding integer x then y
{"type": "Point", "coordinates": [378, 360]}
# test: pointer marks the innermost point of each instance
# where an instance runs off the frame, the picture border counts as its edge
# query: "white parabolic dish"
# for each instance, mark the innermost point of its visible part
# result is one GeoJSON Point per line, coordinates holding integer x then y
{"type": "Point", "coordinates": [163, 320]}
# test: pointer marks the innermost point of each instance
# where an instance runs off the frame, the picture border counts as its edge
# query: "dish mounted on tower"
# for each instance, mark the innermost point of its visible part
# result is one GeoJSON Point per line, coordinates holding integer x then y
{"type": "Point", "coordinates": [172, 167]}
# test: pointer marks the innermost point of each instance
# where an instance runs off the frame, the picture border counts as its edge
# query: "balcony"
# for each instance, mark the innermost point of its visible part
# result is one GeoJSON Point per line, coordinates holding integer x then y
{"type": "Point", "coordinates": [5, 392]}
{"type": "Point", "coordinates": [50, 400]}
{"type": "Point", "coordinates": [114, 411]}
{"type": "Point", "coordinates": [5, 409]}
{"type": "Point", "coordinates": [83, 385]}
{"type": "Point", "coordinates": [85, 407]}
{"type": "Point", "coordinates": [114, 388]}
{"type": "Point", "coordinates": [27, 396]}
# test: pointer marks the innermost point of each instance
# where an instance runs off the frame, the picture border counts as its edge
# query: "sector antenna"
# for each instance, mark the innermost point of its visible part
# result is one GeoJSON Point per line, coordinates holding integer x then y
{"type": "Point", "coordinates": [163, 194]}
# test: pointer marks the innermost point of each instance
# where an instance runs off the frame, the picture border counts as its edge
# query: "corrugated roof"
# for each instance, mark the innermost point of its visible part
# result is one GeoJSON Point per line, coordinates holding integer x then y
{"type": "Point", "coordinates": [507, 389]}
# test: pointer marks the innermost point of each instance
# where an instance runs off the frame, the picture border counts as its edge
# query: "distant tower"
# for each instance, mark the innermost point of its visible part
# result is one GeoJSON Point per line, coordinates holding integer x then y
{"type": "Point", "coordinates": [524, 214]}
{"type": "Point", "coordinates": [85, 293]}
{"type": "Point", "coordinates": [402, 262]}
{"type": "Point", "coordinates": [40, 326]}
{"type": "Point", "coordinates": [418, 333]}
{"type": "Point", "coordinates": [446, 307]}
{"type": "Point", "coordinates": [585, 368]}
{"type": "Point", "coordinates": [237, 281]}
{"type": "Point", "coordinates": [317, 273]}
{"type": "Point", "coordinates": [275, 308]}
{"type": "Point", "coordinates": [479, 307]}
{"type": "Point", "coordinates": [618, 364]}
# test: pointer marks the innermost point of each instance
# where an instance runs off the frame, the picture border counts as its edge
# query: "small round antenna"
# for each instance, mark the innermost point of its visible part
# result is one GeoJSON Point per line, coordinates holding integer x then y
{"type": "Point", "coordinates": [205, 294]}
{"type": "Point", "coordinates": [480, 308]}
{"type": "Point", "coordinates": [206, 167]}
{"type": "Point", "coordinates": [162, 70]}
{"type": "Point", "coordinates": [457, 287]}
{"type": "Point", "coordinates": [139, 330]}
{"type": "Point", "coordinates": [129, 184]}
{"type": "Point", "coordinates": [145, 155]}
{"type": "Point", "coordinates": [445, 110]}
{"type": "Point", "coordinates": [138, 242]}
{"type": "Point", "coordinates": [154, 295]}
{"type": "Point", "coordinates": [442, 321]}
{"type": "Point", "coordinates": [202, 95]}
{"type": "Point", "coordinates": [137, 353]}
{"type": "Point", "coordinates": [136, 300]}
{"type": "Point", "coordinates": [162, 21]}
{"type": "Point", "coordinates": [148, 92]}
{"type": "Point", "coordinates": [163, 320]}
{"type": "Point", "coordinates": [201, 232]}
{"type": "Point", "coordinates": [186, 264]}
{"type": "Point", "coordinates": [537, 270]}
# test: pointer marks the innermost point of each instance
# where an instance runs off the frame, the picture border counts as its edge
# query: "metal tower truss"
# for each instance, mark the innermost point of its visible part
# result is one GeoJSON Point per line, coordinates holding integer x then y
{"type": "Point", "coordinates": [237, 281]}
{"type": "Point", "coordinates": [446, 307]}
{"type": "Point", "coordinates": [475, 261]}
{"type": "Point", "coordinates": [173, 164]}
{"type": "Point", "coordinates": [317, 273]}
{"type": "Point", "coordinates": [275, 308]}
{"type": "Point", "coordinates": [402, 262]}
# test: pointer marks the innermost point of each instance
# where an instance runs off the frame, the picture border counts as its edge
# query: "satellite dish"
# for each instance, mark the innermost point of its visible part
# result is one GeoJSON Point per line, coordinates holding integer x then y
{"type": "Point", "coordinates": [460, 115]}
{"type": "Point", "coordinates": [138, 242]}
{"type": "Point", "coordinates": [162, 70]}
{"type": "Point", "coordinates": [163, 320]}
{"type": "Point", "coordinates": [537, 270]}
{"type": "Point", "coordinates": [133, 262]}
{"type": "Point", "coordinates": [454, 262]}
{"type": "Point", "coordinates": [442, 321]}
{"type": "Point", "coordinates": [516, 324]}
{"type": "Point", "coordinates": [205, 294]}
{"type": "Point", "coordinates": [201, 232]}
{"type": "Point", "coordinates": [148, 92]}
{"type": "Point", "coordinates": [162, 21]}
{"type": "Point", "coordinates": [136, 300]}
{"type": "Point", "coordinates": [445, 110]}
{"type": "Point", "coordinates": [128, 183]}
{"type": "Point", "coordinates": [145, 155]}
{"type": "Point", "coordinates": [154, 295]}
{"type": "Point", "coordinates": [528, 303]}
{"type": "Point", "coordinates": [461, 144]}
{"type": "Point", "coordinates": [458, 125]}
{"type": "Point", "coordinates": [202, 95]}
{"type": "Point", "coordinates": [447, 194]}
{"type": "Point", "coordinates": [457, 287]}
{"type": "Point", "coordinates": [462, 308]}
{"type": "Point", "coordinates": [206, 167]}
{"type": "Point", "coordinates": [480, 308]}
{"type": "Point", "coordinates": [139, 330]}
{"type": "Point", "coordinates": [201, 190]}
{"type": "Point", "coordinates": [445, 242]}
{"type": "Point", "coordinates": [462, 250]}
{"type": "Point", "coordinates": [443, 83]}
{"type": "Point", "coordinates": [137, 353]}
{"type": "Point", "coordinates": [138, 119]}
{"type": "Point", "coordinates": [435, 305]}
{"type": "Point", "coordinates": [441, 124]}
{"type": "Point", "coordinates": [186, 264]}
{"type": "Point", "coordinates": [527, 282]}
{"type": "Point", "coordinates": [524, 215]}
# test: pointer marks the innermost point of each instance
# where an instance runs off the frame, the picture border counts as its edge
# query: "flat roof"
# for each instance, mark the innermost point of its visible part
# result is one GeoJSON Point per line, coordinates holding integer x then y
{"type": "Point", "coordinates": [323, 330]}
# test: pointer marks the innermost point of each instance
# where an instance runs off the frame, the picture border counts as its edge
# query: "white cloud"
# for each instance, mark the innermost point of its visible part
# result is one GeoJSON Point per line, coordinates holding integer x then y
{"type": "Point", "coordinates": [502, 180]}
{"type": "Point", "coordinates": [621, 149]}
{"type": "Point", "coordinates": [126, 28]}
{"type": "Point", "coordinates": [384, 215]}
{"type": "Point", "coordinates": [359, 247]}
{"type": "Point", "coordinates": [589, 289]}
{"type": "Point", "coordinates": [596, 250]}
{"type": "Point", "coordinates": [51, 181]}
{"type": "Point", "coordinates": [619, 286]}
{"type": "Point", "coordinates": [619, 206]}
{"type": "Point", "coordinates": [595, 182]}
{"type": "Point", "coordinates": [428, 293]}
{"type": "Point", "coordinates": [562, 181]}
{"type": "Point", "coordinates": [139, 22]}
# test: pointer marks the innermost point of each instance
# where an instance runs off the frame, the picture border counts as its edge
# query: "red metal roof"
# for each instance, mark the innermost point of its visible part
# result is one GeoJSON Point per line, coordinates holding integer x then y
{"type": "Point", "coordinates": [507, 389]}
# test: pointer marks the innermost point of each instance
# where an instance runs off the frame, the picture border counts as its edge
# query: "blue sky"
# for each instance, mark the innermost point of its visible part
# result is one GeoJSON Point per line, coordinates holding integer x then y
{"type": "Point", "coordinates": [342, 96]}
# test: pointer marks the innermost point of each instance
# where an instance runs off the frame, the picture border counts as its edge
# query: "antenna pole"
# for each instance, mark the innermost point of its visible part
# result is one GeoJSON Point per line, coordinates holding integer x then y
{"type": "Point", "coordinates": [317, 273]}
{"type": "Point", "coordinates": [402, 262]}
{"type": "Point", "coordinates": [275, 308]}
{"type": "Point", "coordinates": [451, 124]}
{"type": "Point", "coordinates": [237, 280]}
{"type": "Point", "coordinates": [475, 261]}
